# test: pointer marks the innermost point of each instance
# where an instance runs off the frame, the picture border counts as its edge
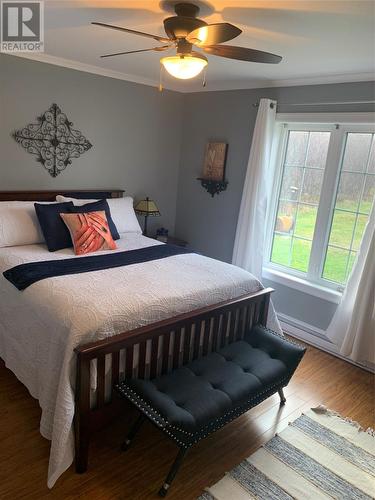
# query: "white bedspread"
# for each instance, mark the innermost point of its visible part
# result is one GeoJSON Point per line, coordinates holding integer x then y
{"type": "Point", "coordinates": [41, 326]}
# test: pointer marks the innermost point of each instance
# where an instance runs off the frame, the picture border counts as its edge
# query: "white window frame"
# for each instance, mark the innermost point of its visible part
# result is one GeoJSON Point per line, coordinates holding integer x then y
{"type": "Point", "coordinates": [339, 124]}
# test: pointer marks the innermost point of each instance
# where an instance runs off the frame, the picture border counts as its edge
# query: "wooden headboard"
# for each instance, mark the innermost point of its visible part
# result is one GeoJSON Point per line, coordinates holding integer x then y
{"type": "Point", "coordinates": [41, 195]}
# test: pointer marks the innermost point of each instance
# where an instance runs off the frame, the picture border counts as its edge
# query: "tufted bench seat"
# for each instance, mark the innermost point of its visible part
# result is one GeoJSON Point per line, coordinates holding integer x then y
{"type": "Point", "coordinates": [195, 400]}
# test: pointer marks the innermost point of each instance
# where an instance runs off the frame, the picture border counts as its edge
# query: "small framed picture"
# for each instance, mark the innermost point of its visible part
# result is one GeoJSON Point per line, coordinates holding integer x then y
{"type": "Point", "coordinates": [214, 161]}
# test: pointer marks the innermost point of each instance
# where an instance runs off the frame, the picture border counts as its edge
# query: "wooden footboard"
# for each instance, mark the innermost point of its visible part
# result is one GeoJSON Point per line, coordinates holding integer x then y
{"type": "Point", "coordinates": [151, 351]}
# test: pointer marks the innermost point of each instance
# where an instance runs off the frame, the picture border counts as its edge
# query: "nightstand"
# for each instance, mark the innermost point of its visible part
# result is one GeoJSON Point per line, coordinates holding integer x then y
{"type": "Point", "coordinates": [174, 241]}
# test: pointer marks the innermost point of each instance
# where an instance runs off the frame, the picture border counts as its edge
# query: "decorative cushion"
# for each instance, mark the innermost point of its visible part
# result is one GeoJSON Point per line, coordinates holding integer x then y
{"type": "Point", "coordinates": [89, 232]}
{"type": "Point", "coordinates": [94, 207]}
{"type": "Point", "coordinates": [19, 224]}
{"type": "Point", "coordinates": [122, 212]}
{"type": "Point", "coordinates": [206, 389]}
{"type": "Point", "coordinates": [54, 230]}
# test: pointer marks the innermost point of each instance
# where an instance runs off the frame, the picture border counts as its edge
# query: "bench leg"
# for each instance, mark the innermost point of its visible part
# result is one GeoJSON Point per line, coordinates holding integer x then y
{"type": "Point", "coordinates": [282, 397]}
{"type": "Point", "coordinates": [133, 431]}
{"type": "Point", "coordinates": [173, 471]}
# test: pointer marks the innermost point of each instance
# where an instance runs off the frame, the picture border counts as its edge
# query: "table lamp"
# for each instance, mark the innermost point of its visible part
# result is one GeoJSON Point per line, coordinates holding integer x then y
{"type": "Point", "coordinates": [147, 208]}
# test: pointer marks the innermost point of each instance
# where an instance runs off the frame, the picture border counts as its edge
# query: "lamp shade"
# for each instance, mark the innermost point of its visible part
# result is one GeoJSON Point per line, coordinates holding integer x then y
{"type": "Point", "coordinates": [147, 207]}
{"type": "Point", "coordinates": [184, 66]}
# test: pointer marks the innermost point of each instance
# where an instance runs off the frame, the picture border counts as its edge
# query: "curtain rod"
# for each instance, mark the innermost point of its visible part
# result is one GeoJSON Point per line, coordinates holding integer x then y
{"type": "Point", "coordinates": [256, 104]}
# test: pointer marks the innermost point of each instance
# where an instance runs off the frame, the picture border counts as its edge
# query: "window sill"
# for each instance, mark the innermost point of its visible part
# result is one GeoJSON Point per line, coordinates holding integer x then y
{"type": "Point", "coordinates": [302, 285]}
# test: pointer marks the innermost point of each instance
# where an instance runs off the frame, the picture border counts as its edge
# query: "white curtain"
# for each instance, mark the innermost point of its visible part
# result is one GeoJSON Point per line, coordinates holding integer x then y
{"type": "Point", "coordinates": [352, 328]}
{"type": "Point", "coordinates": [249, 244]}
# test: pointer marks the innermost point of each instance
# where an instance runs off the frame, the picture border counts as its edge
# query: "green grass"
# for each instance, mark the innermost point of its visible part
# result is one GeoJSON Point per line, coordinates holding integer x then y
{"type": "Point", "coordinates": [295, 252]}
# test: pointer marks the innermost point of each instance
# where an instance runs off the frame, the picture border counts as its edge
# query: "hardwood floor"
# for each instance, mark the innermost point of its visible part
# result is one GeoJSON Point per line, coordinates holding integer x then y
{"type": "Point", "coordinates": [138, 473]}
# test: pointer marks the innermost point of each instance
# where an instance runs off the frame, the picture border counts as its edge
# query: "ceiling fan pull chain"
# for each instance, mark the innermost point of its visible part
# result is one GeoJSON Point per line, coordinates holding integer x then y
{"type": "Point", "coordinates": [161, 79]}
{"type": "Point", "coordinates": [204, 82]}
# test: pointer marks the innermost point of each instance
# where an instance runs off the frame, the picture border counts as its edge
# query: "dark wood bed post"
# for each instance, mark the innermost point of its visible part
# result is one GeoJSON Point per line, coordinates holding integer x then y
{"type": "Point", "coordinates": [265, 305]}
{"type": "Point", "coordinates": [82, 414]}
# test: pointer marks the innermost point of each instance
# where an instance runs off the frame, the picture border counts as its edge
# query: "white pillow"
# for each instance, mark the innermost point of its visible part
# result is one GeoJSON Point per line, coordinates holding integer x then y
{"type": "Point", "coordinates": [122, 212]}
{"type": "Point", "coordinates": [19, 224]}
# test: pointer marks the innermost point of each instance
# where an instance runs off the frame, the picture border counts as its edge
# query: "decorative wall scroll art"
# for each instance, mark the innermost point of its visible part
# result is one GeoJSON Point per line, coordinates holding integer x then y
{"type": "Point", "coordinates": [214, 161]}
{"type": "Point", "coordinates": [213, 177]}
{"type": "Point", "coordinates": [53, 140]}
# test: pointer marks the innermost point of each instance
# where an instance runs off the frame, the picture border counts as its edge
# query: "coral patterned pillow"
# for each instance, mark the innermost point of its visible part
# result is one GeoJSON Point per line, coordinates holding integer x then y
{"type": "Point", "coordinates": [89, 231]}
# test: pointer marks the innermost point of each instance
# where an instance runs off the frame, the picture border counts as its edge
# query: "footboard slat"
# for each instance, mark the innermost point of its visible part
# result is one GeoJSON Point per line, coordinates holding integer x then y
{"type": "Point", "coordinates": [216, 333]}
{"type": "Point", "coordinates": [129, 361]}
{"type": "Point", "coordinates": [232, 328]}
{"type": "Point", "coordinates": [226, 318]}
{"type": "Point", "coordinates": [154, 357]}
{"type": "Point", "coordinates": [187, 342]}
{"type": "Point", "coordinates": [242, 324]}
{"type": "Point", "coordinates": [165, 355]}
{"type": "Point", "coordinates": [256, 313]}
{"type": "Point", "coordinates": [203, 330]}
{"type": "Point", "coordinates": [115, 367]}
{"type": "Point", "coordinates": [176, 348]}
{"type": "Point", "coordinates": [250, 317]}
{"type": "Point", "coordinates": [206, 336]}
{"type": "Point", "coordinates": [197, 339]}
{"type": "Point", "coordinates": [142, 360]}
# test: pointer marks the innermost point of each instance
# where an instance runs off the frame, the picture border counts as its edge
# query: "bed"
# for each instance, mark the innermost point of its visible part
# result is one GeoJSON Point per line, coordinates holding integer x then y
{"type": "Point", "coordinates": [69, 339]}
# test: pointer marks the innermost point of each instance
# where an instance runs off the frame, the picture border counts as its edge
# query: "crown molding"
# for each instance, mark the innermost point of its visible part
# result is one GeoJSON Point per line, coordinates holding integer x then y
{"type": "Point", "coordinates": [211, 87]}
{"type": "Point", "coordinates": [89, 68]}
{"type": "Point", "coordinates": [292, 82]}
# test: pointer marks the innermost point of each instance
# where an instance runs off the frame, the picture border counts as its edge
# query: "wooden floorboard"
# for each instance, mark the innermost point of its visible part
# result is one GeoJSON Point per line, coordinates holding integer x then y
{"type": "Point", "coordinates": [138, 473]}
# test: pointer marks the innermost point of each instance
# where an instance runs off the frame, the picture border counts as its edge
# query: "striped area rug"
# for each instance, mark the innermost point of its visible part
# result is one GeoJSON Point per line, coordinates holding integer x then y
{"type": "Point", "coordinates": [319, 455]}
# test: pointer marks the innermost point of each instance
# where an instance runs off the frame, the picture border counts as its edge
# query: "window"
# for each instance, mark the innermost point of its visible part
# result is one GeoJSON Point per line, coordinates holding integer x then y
{"type": "Point", "coordinates": [324, 192]}
{"type": "Point", "coordinates": [354, 198]}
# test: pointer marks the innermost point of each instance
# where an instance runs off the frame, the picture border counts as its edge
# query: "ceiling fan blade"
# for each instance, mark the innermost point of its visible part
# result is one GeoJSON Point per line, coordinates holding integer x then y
{"type": "Point", "coordinates": [213, 34]}
{"type": "Point", "coordinates": [156, 49]}
{"type": "Point", "coordinates": [242, 54]}
{"type": "Point", "coordinates": [133, 32]}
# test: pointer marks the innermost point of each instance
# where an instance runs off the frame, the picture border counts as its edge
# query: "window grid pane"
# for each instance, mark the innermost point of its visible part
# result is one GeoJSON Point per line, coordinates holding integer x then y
{"type": "Point", "coordinates": [299, 198]}
{"type": "Point", "coordinates": [354, 198]}
{"type": "Point", "coordinates": [357, 152]}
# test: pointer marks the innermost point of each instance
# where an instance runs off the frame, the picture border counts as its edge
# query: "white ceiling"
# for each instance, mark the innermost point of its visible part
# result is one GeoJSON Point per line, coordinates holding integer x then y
{"type": "Point", "coordinates": [320, 41]}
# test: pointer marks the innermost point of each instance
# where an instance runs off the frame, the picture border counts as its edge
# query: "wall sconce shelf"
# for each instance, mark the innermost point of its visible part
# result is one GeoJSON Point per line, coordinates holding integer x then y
{"type": "Point", "coordinates": [213, 187]}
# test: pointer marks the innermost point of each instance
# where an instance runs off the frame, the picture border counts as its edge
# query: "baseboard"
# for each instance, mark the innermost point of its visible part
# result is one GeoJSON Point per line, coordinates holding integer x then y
{"type": "Point", "coordinates": [313, 336]}
{"type": "Point", "coordinates": [301, 325]}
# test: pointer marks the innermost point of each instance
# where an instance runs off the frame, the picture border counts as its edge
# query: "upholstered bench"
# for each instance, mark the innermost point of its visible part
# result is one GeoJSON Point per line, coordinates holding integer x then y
{"type": "Point", "coordinates": [191, 402]}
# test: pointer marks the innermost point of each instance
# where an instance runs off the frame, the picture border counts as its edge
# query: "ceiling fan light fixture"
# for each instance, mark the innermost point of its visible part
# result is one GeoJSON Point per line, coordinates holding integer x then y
{"type": "Point", "coordinates": [184, 31]}
{"type": "Point", "coordinates": [184, 66]}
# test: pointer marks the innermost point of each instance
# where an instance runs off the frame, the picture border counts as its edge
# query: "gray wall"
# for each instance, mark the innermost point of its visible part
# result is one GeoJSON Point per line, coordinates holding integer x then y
{"type": "Point", "coordinates": [209, 224]}
{"type": "Point", "coordinates": [135, 131]}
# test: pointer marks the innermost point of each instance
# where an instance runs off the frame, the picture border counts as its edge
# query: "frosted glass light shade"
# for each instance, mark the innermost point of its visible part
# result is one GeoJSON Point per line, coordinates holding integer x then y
{"type": "Point", "coordinates": [184, 66]}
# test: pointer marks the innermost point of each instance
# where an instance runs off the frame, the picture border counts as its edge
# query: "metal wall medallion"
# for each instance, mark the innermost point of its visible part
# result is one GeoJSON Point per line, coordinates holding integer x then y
{"type": "Point", "coordinates": [53, 140]}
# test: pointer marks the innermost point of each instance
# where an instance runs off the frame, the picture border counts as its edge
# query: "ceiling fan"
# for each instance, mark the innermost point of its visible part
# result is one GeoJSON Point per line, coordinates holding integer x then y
{"type": "Point", "coordinates": [184, 31]}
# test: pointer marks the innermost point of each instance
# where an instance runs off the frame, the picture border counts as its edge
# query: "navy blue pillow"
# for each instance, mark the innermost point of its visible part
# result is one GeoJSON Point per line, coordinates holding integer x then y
{"type": "Point", "coordinates": [54, 230]}
{"type": "Point", "coordinates": [95, 207]}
